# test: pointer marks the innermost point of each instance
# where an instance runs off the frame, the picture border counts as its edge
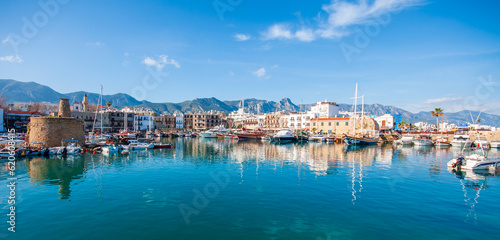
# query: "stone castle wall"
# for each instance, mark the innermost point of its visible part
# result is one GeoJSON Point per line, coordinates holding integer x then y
{"type": "Point", "coordinates": [53, 130]}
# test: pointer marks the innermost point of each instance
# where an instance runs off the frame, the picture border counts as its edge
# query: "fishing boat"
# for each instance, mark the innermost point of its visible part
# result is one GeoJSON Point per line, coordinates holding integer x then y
{"type": "Point", "coordinates": [283, 136]}
{"type": "Point", "coordinates": [423, 140]}
{"type": "Point", "coordinates": [442, 142]}
{"type": "Point", "coordinates": [461, 140]}
{"type": "Point", "coordinates": [482, 142]}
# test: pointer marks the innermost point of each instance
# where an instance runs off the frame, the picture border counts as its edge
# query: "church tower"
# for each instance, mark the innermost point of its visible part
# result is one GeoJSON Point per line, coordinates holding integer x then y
{"type": "Point", "coordinates": [85, 102]}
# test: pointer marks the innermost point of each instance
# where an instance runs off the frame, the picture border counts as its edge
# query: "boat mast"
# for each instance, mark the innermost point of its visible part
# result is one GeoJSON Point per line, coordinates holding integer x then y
{"type": "Point", "coordinates": [355, 106]}
{"type": "Point", "coordinates": [99, 106]}
{"type": "Point", "coordinates": [362, 113]}
{"type": "Point", "coordinates": [301, 116]}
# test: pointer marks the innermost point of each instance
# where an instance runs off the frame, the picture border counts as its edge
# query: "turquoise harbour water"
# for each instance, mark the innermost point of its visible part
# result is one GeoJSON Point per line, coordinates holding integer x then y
{"type": "Point", "coordinates": [215, 189]}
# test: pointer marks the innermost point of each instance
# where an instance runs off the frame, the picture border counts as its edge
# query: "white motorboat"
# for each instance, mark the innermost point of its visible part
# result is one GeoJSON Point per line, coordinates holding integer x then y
{"type": "Point", "coordinates": [482, 142]}
{"type": "Point", "coordinates": [212, 133]}
{"type": "Point", "coordinates": [461, 140]}
{"type": "Point", "coordinates": [423, 140]}
{"type": "Point", "coordinates": [111, 149]}
{"type": "Point", "coordinates": [405, 140]}
{"type": "Point", "coordinates": [283, 136]}
{"type": "Point", "coordinates": [136, 145]}
{"type": "Point", "coordinates": [474, 162]}
{"type": "Point", "coordinates": [317, 138]}
{"type": "Point", "coordinates": [71, 149]}
{"type": "Point", "coordinates": [495, 144]}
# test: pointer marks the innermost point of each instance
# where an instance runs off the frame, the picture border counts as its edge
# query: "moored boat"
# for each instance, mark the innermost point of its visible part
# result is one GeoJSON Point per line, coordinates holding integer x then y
{"type": "Point", "coordinates": [482, 142]}
{"type": "Point", "coordinates": [423, 140]}
{"type": "Point", "coordinates": [283, 136]}
{"type": "Point", "coordinates": [461, 140]}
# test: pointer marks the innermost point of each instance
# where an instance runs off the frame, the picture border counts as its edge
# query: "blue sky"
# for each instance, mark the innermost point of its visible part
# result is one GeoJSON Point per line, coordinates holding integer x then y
{"type": "Point", "coordinates": [413, 54]}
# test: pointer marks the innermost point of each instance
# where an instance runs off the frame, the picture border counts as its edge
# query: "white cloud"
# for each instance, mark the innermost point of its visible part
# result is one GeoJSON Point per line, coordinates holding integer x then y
{"type": "Point", "coordinates": [275, 66]}
{"type": "Point", "coordinates": [305, 35]}
{"type": "Point", "coordinates": [97, 44]}
{"type": "Point", "coordinates": [6, 40]}
{"type": "Point", "coordinates": [277, 31]}
{"type": "Point", "coordinates": [443, 100]}
{"type": "Point", "coordinates": [260, 72]}
{"type": "Point", "coordinates": [341, 15]}
{"type": "Point", "coordinates": [161, 62]}
{"type": "Point", "coordinates": [242, 37]}
{"type": "Point", "coordinates": [12, 59]}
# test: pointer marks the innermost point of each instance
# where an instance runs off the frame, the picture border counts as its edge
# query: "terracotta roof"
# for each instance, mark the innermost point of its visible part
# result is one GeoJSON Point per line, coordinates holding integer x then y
{"type": "Point", "coordinates": [331, 119]}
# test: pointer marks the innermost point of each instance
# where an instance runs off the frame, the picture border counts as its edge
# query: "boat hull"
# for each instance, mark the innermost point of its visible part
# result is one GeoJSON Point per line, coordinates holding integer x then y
{"type": "Point", "coordinates": [359, 141]}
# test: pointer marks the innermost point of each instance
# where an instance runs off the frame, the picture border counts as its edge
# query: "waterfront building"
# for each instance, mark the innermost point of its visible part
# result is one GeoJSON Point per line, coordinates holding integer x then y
{"type": "Point", "coordinates": [143, 122]}
{"type": "Point", "coordinates": [202, 121]}
{"type": "Point", "coordinates": [342, 125]}
{"type": "Point", "coordinates": [19, 120]}
{"type": "Point", "coordinates": [165, 122]}
{"type": "Point", "coordinates": [179, 120]}
{"type": "Point", "coordinates": [325, 109]}
{"type": "Point", "coordinates": [385, 122]}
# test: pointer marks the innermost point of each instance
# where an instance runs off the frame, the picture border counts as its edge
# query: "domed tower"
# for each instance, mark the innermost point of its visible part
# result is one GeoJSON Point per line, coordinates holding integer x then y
{"type": "Point", "coordinates": [85, 102]}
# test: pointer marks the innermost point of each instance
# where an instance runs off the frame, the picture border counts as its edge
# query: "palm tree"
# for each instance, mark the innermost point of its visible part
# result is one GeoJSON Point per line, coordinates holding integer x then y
{"type": "Point", "coordinates": [402, 125]}
{"type": "Point", "coordinates": [479, 122]}
{"type": "Point", "coordinates": [438, 112]}
{"type": "Point", "coordinates": [108, 103]}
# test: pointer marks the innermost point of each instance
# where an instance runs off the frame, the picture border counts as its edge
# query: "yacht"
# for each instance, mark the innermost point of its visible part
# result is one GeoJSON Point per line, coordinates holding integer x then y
{"type": "Point", "coordinates": [474, 162]}
{"type": "Point", "coordinates": [250, 135]}
{"type": "Point", "coordinates": [423, 140]}
{"type": "Point", "coordinates": [461, 140]}
{"type": "Point", "coordinates": [482, 142]}
{"type": "Point", "coordinates": [212, 133]}
{"type": "Point", "coordinates": [317, 138]}
{"type": "Point", "coordinates": [283, 136]}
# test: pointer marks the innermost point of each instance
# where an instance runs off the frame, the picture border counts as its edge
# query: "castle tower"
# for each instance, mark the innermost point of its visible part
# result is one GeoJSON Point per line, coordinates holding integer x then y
{"type": "Point", "coordinates": [85, 102]}
{"type": "Point", "coordinates": [64, 110]}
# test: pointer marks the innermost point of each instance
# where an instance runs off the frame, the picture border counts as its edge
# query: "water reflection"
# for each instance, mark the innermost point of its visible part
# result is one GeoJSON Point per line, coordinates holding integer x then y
{"type": "Point", "coordinates": [473, 182]}
{"type": "Point", "coordinates": [59, 171]}
{"type": "Point", "coordinates": [319, 159]}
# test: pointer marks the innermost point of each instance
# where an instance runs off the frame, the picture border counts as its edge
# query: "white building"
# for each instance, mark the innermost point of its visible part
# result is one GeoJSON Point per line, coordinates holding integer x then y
{"type": "Point", "coordinates": [325, 109]}
{"type": "Point", "coordinates": [179, 120]}
{"type": "Point", "coordinates": [143, 122]}
{"type": "Point", "coordinates": [385, 122]}
{"type": "Point", "coordinates": [298, 121]}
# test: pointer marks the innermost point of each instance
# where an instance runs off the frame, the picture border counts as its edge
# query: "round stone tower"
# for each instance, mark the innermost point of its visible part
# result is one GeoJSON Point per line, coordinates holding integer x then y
{"type": "Point", "coordinates": [64, 110]}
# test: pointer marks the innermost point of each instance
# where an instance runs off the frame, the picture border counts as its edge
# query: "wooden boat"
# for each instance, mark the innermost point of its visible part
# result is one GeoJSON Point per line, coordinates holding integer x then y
{"type": "Point", "coordinates": [249, 135]}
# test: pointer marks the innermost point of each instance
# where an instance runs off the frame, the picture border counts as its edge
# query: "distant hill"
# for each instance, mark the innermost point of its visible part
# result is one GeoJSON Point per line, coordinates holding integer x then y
{"type": "Point", "coordinates": [17, 91]}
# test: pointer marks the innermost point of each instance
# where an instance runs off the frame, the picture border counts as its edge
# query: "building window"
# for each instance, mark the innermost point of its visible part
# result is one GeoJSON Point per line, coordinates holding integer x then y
{"type": "Point", "coordinates": [314, 124]}
{"type": "Point", "coordinates": [329, 123]}
{"type": "Point", "coordinates": [337, 123]}
{"type": "Point", "coordinates": [322, 124]}
{"type": "Point", "coordinates": [347, 124]}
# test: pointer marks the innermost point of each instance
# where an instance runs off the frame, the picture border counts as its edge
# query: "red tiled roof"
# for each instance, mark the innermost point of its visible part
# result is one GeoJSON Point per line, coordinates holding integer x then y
{"type": "Point", "coordinates": [331, 119]}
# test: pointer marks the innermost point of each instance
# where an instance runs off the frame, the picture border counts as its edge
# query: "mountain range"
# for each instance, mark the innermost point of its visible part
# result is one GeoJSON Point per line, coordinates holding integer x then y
{"type": "Point", "coordinates": [17, 91]}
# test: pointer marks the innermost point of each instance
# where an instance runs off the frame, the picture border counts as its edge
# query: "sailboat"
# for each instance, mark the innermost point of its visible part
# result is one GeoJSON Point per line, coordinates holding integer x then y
{"type": "Point", "coordinates": [95, 139]}
{"type": "Point", "coordinates": [301, 135]}
{"type": "Point", "coordinates": [360, 138]}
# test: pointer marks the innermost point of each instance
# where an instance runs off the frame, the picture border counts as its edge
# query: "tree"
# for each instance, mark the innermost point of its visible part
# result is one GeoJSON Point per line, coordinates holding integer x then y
{"type": "Point", "coordinates": [479, 122]}
{"type": "Point", "coordinates": [108, 103]}
{"type": "Point", "coordinates": [402, 125]}
{"type": "Point", "coordinates": [438, 112]}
